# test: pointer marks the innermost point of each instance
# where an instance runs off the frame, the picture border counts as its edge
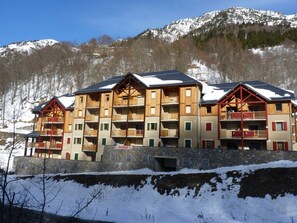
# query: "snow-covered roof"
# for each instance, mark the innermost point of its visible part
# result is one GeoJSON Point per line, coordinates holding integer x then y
{"type": "Point", "coordinates": [213, 93]}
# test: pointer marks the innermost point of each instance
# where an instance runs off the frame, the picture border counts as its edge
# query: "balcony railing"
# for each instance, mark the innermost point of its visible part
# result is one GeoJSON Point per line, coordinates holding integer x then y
{"type": "Point", "coordinates": [120, 103]}
{"type": "Point", "coordinates": [136, 102]}
{"type": "Point", "coordinates": [169, 117]}
{"type": "Point", "coordinates": [118, 133]}
{"type": "Point", "coordinates": [170, 100]}
{"type": "Point", "coordinates": [46, 145]}
{"type": "Point", "coordinates": [136, 117]}
{"type": "Point", "coordinates": [255, 115]}
{"type": "Point", "coordinates": [93, 104]}
{"type": "Point", "coordinates": [170, 133]}
{"type": "Point", "coordinates": [119, 118]}
{"type": "Point", "coordinates": [92, 118]}
{"type": "Point", "coordinates": [90, 148]}
{"type": "Point", "coordinates": [135, 133]}
{"type": "Point", "coordinates": [91, 133]}
{"type": "Point", "coordinates": [49, 132]}
{"type": "Point", "coordinates": [247, 134]}
{"type": "Point", "coordinates": [53, 119]}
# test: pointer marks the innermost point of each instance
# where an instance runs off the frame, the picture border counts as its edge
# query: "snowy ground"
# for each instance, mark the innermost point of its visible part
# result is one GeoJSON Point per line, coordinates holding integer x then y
{"type": "Point", "coordinates": [146, 204]}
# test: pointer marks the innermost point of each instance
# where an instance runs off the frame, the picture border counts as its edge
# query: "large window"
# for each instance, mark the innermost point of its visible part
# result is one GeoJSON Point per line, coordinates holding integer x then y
{"type": "Point", "coordinates": [188, 92]}
{"type": "Point", "coordinates": [278, 106]}
{"type": "Point", "coordinates": [153, 94]}
{"type": "Point", "coordinates": [151, 142]}
{"type": "Point", "coordinates": [153, 110]}
{"type": "Point", "coordinates": [188, 143]}
{"type": "Point", "coordinates": [104, 127]}
{"type": "Point", "coordinates": [279, 126]}
{"type": "Point", "coordinates": [77, 140]}
{"type": "Point", "coordinates": [78, 126]}
{"type": "Point", "coordinates": [208, 126]}
{"type": "Point", "coordinates": [280, 145]}
{"type": "Point", "coordinates": [188, 109]}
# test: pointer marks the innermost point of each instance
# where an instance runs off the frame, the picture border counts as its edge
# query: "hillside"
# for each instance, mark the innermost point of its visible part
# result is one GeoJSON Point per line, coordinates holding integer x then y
{"type": "Point", "coordinates": [235, 44]}
{"type": "Point", "coordinates": [256, 193]}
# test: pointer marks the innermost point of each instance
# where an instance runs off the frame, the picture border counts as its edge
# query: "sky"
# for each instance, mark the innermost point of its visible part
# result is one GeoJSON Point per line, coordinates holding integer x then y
{"type": "Point", "coordinates": [78, 21]}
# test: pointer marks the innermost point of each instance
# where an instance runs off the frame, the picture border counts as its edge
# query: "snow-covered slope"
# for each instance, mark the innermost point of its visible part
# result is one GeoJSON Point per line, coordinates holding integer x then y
{"type": "Point", "coordinates": [235, 15]}
{"type": "Point", "coordinates": [26, 47]}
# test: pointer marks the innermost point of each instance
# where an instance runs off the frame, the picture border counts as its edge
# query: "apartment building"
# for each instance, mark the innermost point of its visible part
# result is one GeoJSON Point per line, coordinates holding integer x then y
{"type": "Point", "coordinates": [165, 109]}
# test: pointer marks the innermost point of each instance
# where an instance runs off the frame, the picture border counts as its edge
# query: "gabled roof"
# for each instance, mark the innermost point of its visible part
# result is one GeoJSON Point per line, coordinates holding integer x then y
{"type": "Point", "coordinates": [213, 93]}
{"type": "Point", "coordinates": [102, 86]}
{"type": "Point", "coordinates": [149, 80]}
{"type": "Point", "coordinates": [67, 101]}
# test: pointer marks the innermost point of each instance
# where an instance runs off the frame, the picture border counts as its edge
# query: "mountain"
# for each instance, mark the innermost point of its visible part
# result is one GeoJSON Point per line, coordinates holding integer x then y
{"type": "Point", "coordinates": [26, 47]}
{"type": "Point", "coordinates": [231, 16]}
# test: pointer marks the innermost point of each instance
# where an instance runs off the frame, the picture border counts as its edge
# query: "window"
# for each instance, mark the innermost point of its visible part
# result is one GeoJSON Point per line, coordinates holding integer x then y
{"type": "Point", "coordinates": [106, 112]}
{"type": "Point", "coordinates": [78, 126]}
{"type": "Point", "coordinates": [279, 126]}
{"type": "Point", "coordinates": [69, 127]}
{"type": "Point", "coordinates": [280, 145]}
{"type": "Point", "coordinates": [107, 97]}
{"type": "Point", "coordinates": [208, 109]}
{"type": "Point", "coordinates": [152, 126]}
{"type": "Point", "coordinates": [153, 110]}
{"type": "Point", "coordinates": [208, 144]}
{"type": "Point", "coordinates": [80, 113]}
{"type": "Point", "coordinates": [151, 142]}
{"type": "Point", "coordinates": [278, 106]}
{"type": "Point", "coordinates": [188, 92]}
{"type": "Point", "coordinates": [188, 109]}
{"type": "Point", "coordinates": [76, 156]}
{"type": "Point", "coordinates": [188, 126]}
{"type": "Point", "coordinates": [77, 140]}
{"type": "Point", "coordinates": [188, 143]}
{"type": "Point", "coordinates": [81, 99]}
{"type": "Point", "coordinates": [153, 94]}
{"type": "Point", "coordinates": [104, 127]}
{"type": "Point", "coordinates": [103, 142]}
{"type": "Point", "coordinates": [208, 126]}
{"type": "Point", "coordinates": [68, 140]}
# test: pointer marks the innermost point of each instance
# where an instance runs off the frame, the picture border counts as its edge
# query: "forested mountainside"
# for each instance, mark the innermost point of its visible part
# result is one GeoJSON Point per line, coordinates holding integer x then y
{"type": "Point", "coordinates": [238, 43]}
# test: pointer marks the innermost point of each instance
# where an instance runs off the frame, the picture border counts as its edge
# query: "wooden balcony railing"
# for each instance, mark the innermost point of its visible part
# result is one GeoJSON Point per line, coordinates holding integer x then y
{"type": "Point", "coordinates": [253, 134]}
{"type": "Point", "coordinates": [255, 115]}
{"type": "Point", "coordinates": [135, 133]}
{"type": "Point", "coordinates": [92, 118]}
{"type": "Point", "coordinates": [136, 101]}
{"type": "Point", "coordinates": [91, 132]}
{"type": "Point", "coordinates": [53, 119]}
{"type": "Point", "coordinates": [49, 132]}
{"type": "Point", "coordinates": [118, 133]}
{"type": "Point", "coordinates": [46, 145]}
{"type": "Point", "coordinates": [90, 148]}
{"type": "Point", "coordinates": [119, 118]}
{"type": "Point", "coordinates": [136, 117]}
{"type": "Point", "coordinates": [170, 100]}
{"type": "Point", "coordinates": [169, 116]}
{"type": "Point", "coordinates": [120, 102]}
{"type": "Point", "coordinates": [169, 133]}
{"type": "Point", "coordinates": [93, 104]}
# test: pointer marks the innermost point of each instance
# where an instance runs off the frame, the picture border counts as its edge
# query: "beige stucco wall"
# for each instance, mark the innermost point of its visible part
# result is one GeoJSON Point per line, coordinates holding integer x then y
{"type": "Point", "coordinates": [193, 134]}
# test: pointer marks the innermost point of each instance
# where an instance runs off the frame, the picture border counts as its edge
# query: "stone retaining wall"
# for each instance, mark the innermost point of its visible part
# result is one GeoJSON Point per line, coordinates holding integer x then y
{"type": "Point", "coordinates": [158, 159]}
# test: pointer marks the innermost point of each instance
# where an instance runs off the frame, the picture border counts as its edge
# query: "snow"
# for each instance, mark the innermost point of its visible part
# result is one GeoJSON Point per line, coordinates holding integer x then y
{"type": "Point", "coordinates": [152, 80]}
{"type": "Point", "coordinates": [66, 100]}
{"type": "Point", "coordinates": [145, 204]}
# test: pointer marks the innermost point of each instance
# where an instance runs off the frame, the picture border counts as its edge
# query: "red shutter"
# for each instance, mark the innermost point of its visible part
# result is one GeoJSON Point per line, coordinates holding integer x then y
{"type": "Point", "coordinates": [68, 140]}
{"type": "Point", "coordinates": [285, 126]}
{"type": "Point", "coordinates": [203, 143]}
{"type": "Point", "coordinates": [286, 146]}
{"type": "Point", "coordinates": [275, 146]}
{"type": "Point", "coordinates": [273, 126]}
{"type": "Point", "coordinates": [208, 126]}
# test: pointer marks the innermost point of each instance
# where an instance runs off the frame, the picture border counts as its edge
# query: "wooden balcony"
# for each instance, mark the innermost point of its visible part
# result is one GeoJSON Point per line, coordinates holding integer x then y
{"type": "Point", "coordinates": [90, 148]}
{"type": "Point", "coordinates": [136, 102]}
{"type": "Point", "coordinates": [169, 117]}
{"type": "Point", "coordinates": [91, 133]}
{"type": "Point", "coordinates": [136, 117]}
{"type": "Point", "coordinates": [46, 145]}
{"type": "Point", "coordinates": [118, 133]}
{"type": "Point", "coordinates": [92, 118]}
{"type": "Point", "coordinates": [93, 104]}
{"type": "Point", "coordinates": [246, 134]}
{"type": "Point", "coordinates": [235, 116]}
{"type": "Point", "coordinates": [53, 119]}
{"type": "Point", "coordinates": [170, 100]}
{"type": "Point", "coordinates": [135, 133]}
{"type": "Point", "coordinates": [120, 103]}
{"type": "Point", "coordinates": [49, 132]}
{"type": "Point", "coordinates": [169, 133]}
{"type": "Point", "coordinates": [119, 118]}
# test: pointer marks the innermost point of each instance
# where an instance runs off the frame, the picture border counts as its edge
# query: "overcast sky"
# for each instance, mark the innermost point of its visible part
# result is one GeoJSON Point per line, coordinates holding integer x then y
{"type": "Point", "coordinates": [78, 21]}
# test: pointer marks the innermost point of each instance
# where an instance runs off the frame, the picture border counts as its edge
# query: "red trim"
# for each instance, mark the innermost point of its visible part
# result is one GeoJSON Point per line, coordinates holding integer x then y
{"type": "Point", "coordinates": [285, 126]}
{"type": "Point", "coordinates": [275, 146]}
{"type": "Point", "coordinates": [286, 146]}
{"type": "Point", "coordinates": [273, 126]}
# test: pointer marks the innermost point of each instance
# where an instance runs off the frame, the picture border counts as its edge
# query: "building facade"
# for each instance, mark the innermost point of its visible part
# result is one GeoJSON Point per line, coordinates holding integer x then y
{"type": "Point", "coordinates": [164, 109]}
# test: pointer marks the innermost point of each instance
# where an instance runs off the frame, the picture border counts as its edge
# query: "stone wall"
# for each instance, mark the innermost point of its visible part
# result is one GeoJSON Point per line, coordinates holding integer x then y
{"type": "Point", "coordinates": [158, 159]}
